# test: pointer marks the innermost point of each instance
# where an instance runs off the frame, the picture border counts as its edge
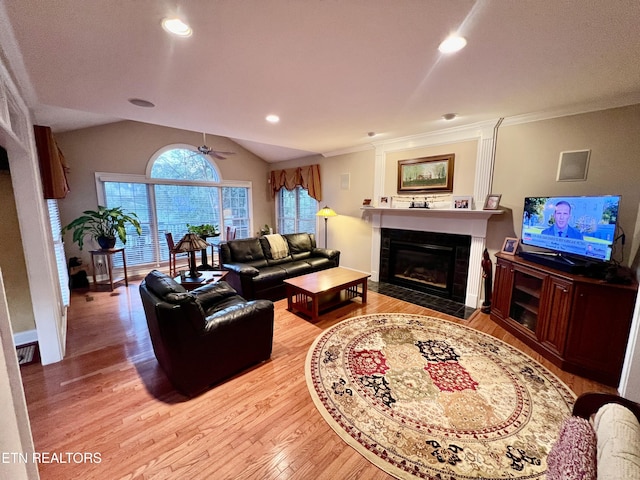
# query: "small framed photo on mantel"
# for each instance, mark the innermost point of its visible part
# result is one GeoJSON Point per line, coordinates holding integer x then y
{"type": "Point", "coordinates": [493, 201]}
{"type": "Point", "coordinates": [462, 202]}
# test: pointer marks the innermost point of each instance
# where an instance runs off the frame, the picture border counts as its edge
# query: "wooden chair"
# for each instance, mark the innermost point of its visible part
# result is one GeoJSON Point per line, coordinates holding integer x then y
{"type": "Point", "coordinates": [173, 270]}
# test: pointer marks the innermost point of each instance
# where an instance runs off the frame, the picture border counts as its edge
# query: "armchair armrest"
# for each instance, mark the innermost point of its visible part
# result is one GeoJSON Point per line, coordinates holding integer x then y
{"type": "Point", "coordinates": [588, 403]}
{"type": "Point", "coordinates": [241, 269]}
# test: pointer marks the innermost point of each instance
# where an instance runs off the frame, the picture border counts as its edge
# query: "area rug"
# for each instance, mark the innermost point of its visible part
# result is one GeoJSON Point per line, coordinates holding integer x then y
{"type": "Point", "coordinates": [422, 397]}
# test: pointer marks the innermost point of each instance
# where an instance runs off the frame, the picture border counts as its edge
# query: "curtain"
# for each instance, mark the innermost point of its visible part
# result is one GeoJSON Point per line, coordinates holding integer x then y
{"type": "Point", "coordinates": [307, 177]}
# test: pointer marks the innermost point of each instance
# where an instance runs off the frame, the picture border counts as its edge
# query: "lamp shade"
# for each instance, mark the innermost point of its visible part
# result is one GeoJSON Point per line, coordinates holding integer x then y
{"type": "Point", "coordinates": [191, 243]}
{"type": "Point", "coordinates": [326, 212]}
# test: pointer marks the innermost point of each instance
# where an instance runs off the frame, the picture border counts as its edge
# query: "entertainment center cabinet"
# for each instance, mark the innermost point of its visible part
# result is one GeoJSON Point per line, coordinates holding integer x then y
{"type": "Point", "coordinates": [578, 323]}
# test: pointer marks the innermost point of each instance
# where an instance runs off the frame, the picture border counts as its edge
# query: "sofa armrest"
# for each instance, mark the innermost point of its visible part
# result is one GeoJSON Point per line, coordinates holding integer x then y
{"type": "Point", "coordinates": [589, 403]}
{"type": "Point", "coordinates": [325, 252]}
{"type": "Point", "coordinates": [241, 269]}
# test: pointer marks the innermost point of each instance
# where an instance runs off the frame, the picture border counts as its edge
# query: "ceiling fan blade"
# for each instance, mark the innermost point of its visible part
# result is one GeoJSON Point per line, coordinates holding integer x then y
{"type": "Point", "coordinates": [217, 155]}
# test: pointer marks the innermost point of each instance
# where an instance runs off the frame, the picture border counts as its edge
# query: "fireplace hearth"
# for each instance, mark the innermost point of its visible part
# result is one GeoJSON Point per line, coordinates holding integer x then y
{"type": "Point", "coordinates": [435, 263]}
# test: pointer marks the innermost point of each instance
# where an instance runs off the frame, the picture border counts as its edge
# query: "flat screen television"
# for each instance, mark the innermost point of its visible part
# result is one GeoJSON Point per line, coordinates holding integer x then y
{"type": "Point", "coordinates": [571, 229]}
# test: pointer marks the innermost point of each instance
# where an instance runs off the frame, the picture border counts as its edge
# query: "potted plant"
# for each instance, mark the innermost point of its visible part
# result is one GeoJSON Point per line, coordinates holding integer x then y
{"type": "Point", "coordinates": [104, 225]}
{"type": "Point", "coordinates": [204, 230]}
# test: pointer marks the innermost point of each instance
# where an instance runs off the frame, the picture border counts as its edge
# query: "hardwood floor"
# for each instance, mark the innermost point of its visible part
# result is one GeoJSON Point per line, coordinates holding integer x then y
{"type": "Point", "coordinates": [109, 397]}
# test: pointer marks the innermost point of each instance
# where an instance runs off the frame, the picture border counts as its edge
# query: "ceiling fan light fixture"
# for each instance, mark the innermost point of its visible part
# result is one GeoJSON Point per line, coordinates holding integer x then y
{"type": "Point", "coordinates": [175, 26]}
{"type": "Point", "coordinates": [449, 116]}
{"type": "Point", "coordinates": [453, 43]}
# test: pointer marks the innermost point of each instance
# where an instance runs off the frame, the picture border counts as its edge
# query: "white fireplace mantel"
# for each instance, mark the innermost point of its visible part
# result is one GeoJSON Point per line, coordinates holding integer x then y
{"type": "Point", "coordinates": [454, 221]}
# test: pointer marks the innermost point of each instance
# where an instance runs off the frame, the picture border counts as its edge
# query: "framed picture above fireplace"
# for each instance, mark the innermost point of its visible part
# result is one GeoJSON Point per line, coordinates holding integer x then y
{"type": "Point", "coordinates": [426, 174]}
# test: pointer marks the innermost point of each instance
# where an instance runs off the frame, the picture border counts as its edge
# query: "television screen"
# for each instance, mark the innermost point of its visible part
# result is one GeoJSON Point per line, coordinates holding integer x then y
{"type": "Point", "coordinates": [582, 226]}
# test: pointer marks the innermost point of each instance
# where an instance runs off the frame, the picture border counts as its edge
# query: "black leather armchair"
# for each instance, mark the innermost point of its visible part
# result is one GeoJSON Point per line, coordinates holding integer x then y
{"type": "Point", "coordinates": [206, 335]}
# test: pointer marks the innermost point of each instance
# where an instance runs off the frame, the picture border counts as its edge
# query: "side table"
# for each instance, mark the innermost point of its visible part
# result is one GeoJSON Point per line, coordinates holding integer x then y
{"type": "Point", "coordinates": [108, 254]}
{"type": "Point", "coordinates": [208, 276]}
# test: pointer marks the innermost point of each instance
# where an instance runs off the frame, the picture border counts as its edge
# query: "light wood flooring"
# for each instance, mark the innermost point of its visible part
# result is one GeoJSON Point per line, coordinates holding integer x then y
{"type": "Point", "coordinates": [109, 396]}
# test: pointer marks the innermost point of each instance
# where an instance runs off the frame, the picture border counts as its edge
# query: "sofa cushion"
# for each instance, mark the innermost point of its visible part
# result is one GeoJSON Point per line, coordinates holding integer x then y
{"type": "Point", "coordinates": [295, 269]}
{"type": "Point", "coordinates": [270, 276]}
{"type": "Point", "coordinates": [300, 245]}
{"type": "Point", "coordinates": [573, 455]}
{"type": "Point", "coordinates": [618, 433]}
{"type": "Point", "coordinates": [247, 251]}
{"type": "Point", "coordinates": [162, 285]}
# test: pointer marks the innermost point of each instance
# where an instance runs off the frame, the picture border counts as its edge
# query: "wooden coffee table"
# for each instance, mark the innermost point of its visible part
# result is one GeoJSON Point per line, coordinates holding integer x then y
{"type": "Point", "coordinates": [317, 291]}
{"type": "Point", "coordinates": [208, 276]}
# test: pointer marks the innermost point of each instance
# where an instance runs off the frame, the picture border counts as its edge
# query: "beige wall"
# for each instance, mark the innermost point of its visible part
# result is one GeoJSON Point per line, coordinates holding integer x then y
{"type": "Point", "coordinates": [126, 147]}
{"type": "Point", "coordinates": [464, 166]}
{"type": "Point", "coordinates": [12, 261]}
{"type": "Point", "coordinates": [527, 160]}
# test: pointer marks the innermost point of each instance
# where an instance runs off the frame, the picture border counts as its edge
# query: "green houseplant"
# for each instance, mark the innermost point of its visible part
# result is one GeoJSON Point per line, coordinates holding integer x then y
{"type": "Point", "coordinates": [104, 225]}
{"type": "Point", "coordinates": [206, 229]}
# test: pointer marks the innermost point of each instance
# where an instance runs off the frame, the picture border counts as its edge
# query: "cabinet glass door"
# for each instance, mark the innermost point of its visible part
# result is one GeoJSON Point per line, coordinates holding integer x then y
{"type": "Point", "coordinates": [525, 300]}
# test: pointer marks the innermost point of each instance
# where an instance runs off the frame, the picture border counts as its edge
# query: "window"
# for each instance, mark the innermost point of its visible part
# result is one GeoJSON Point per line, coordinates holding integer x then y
{"type": "Point", "coordinates": [58, 246]}
{"type": "Point", "coordinates": [296, 211]}
{"type": "Point", "coordinates": [183, 187]}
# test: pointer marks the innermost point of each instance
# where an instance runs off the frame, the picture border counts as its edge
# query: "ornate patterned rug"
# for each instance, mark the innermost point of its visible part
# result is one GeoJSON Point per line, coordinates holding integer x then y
{"type": "Point", "coordinates": [422, 397]}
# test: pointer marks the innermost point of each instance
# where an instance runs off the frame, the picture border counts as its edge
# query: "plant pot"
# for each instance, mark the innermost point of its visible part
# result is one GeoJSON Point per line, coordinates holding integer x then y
{"type": "Point", "coordinates": [106, 242]}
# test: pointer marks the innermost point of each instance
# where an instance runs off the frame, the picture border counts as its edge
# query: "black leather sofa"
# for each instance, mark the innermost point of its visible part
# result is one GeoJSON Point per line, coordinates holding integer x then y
{"type": "Point", "coordinates": [254, 273]}
{"type": "Point", "coordinates": [206, 335]}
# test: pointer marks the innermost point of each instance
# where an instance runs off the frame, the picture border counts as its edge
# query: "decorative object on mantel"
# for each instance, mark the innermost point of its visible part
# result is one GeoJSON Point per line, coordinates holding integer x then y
{"type": "Point", "coordinates": [492, 202]}
{"type": "Point", "coordinates": [487, 274]}
{"type": "Point", "coordinates": [384, 202]}
{"type": "Point", "coordinates": [422, 397]}
{"type": "Point", "coordinates": [326, 212]}
{"type": "Point", "coordinates": [464, 202]}
{"type": "Point", "coordinates": [427, 174]}
{"type": "Point", "coordinates": [366, 202]}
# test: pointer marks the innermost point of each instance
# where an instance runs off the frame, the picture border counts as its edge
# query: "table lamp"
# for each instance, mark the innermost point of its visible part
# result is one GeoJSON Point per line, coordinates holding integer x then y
{"type": "Point", "coordinates": [326, 212]}
{"type": "Point", "coordinates": [192, 243]}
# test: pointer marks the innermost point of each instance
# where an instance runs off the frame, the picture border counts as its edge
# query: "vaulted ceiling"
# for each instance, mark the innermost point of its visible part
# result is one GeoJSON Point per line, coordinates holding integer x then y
{"type": "Point", "coordinates": [333, 70]}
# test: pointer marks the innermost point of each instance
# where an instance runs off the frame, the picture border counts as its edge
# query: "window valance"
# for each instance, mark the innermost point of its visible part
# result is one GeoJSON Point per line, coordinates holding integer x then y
{"type": "Point", "coordinates": [307, 177]}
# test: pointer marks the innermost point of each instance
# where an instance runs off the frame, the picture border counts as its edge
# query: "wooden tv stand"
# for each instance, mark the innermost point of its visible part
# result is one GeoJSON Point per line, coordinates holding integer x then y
{"type": "Point", "coordinates": [578, 323]}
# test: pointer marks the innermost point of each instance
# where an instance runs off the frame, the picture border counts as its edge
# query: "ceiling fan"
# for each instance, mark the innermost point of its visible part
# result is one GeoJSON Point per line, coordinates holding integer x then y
{"type": "Point", "coordinates": [205, 150]}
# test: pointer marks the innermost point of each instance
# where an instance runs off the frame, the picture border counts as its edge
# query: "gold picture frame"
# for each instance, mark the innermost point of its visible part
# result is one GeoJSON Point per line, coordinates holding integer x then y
{"type": "Point", "coordinates": [510, 246]}
{"type": "Point", "coordinates": [426, 174]}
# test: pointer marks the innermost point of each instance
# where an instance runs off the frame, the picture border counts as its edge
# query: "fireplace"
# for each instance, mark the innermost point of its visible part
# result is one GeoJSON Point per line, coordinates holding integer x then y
{"type": "Point", "coordinates": [435, 263]}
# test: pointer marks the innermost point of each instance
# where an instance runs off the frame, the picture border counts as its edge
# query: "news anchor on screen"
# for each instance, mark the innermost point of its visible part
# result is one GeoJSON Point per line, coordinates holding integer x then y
{"type": "Point", "coordinates": [561, 227]}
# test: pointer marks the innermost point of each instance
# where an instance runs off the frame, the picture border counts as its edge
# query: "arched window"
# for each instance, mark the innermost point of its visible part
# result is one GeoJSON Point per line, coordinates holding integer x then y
{"type": "Point", "coordinates": [181, 187]}
{"type": "Point", "coordinates": [182, 164]}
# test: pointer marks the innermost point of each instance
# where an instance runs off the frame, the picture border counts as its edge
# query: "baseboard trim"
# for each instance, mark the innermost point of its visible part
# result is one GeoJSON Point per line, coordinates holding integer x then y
{"type": "Point", "coordinates": [23, 338]}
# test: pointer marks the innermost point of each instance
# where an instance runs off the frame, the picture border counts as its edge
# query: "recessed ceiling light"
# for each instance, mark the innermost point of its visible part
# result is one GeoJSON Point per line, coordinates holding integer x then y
{"type": "Point", "coordinates": [371, 134]}
{"type": "Point", "coordinates": [139, 102]}
{"type": "Point", "coordinates": [273, 118]}
{"type": "Point", "coordinates": [177, 27]}
{"type": "Point", "coordinates": [452, 44]}
{"type": "Point", "coordinates": [449, 116]}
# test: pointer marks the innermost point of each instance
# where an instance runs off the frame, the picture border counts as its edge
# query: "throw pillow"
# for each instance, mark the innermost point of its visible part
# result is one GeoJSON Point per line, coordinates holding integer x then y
{"type": "Point", "coordinates": [573, 456]}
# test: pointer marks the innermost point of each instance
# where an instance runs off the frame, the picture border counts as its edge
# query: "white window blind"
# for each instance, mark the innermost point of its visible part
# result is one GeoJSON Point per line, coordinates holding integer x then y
{"type": "Point", "coordinates": [296, 211]}
{"type": "Point", "coordinates": [63, 272]}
